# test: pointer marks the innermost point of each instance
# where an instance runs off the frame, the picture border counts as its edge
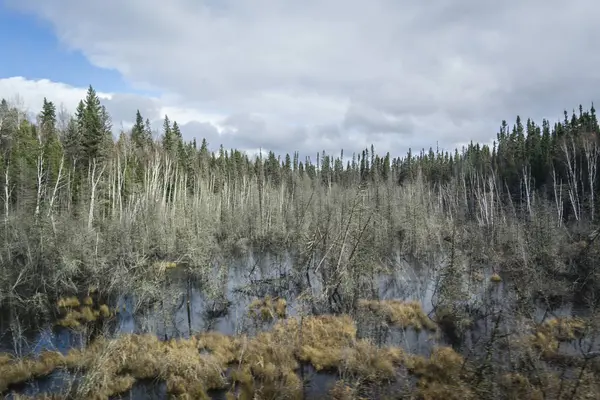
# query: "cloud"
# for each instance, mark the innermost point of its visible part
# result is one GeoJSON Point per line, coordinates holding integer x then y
{"type": "Point", "coordinates": [29, 94]}
{"type": "Point", "coordinates": [122, 107]}
{"type": "Point", "coordinates": [341, 74]}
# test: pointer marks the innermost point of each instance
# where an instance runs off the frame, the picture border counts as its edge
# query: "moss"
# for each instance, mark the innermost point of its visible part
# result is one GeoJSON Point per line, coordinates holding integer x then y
{"type": "Point", "coordinates": [399, 313]}
{"type": "Point", "coordinates": [495, 278]}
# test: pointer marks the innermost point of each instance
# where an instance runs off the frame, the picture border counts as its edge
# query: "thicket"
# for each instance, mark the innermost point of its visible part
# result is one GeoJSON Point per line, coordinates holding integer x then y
{"type": "Point", "coordinates": [81, 209]}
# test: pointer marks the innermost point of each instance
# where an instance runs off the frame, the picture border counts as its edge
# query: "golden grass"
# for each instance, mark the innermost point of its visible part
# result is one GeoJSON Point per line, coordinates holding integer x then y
{"type": "Point", "coordinates": [517, 386]}
{"type": "Point", "coordinates": [162, 266]}
{"type": "Point", "coordinates": [268, 308]}
{"type": "Point", "coordinates": [547, 385]}
{"type": "Point", "coordinates": [441, 376]}
{"type": "Point", "coordinates": [42, 396]}
{"type": "Point", "coordinates": [341, 391]}
{"type": "Point", "coordinates": [549, 334]}
{"type": "Point", "coordinates": [68, 302]}
{"type": "Point", "coordinates": [76, 316]}
{"type": "Point", "coordinates": [104, 311]}
{"type": "Point", "coordinates": [88, 301]}
{"type": "Point", "coordinates": [399, 313]}
{"type": "Point", "coordinates": [16, 371]}
{"type": "Point", "coordinates": [5, 359]}
{"type": "Point", "coordinates": [263, 366]}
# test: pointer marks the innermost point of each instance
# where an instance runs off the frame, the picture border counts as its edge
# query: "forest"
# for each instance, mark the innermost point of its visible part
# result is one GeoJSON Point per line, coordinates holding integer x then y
{"type": "Point", "coordinates": [491, 253]}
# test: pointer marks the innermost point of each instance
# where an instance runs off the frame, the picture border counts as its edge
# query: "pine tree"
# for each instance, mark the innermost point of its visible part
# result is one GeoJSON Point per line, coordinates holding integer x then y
{"type": "Point", "coordinates": [93, 122]}
{"type": "Point", "coordinates": [385, 173]}
{"type": "Point", "coordinates": [138, 132]}
{"type": "Point", "coordinates": [48, 117]}
{"type": "Point", "coordinates": [168, 140]}
{"type": "Point", "coordinates": [178, 143]}
{"type": "Point", "coordinates": [148, 131]}
{"type": "Point", "coordinates": [72, 142]}
{"type": "Point", "coordinates": [52, 148]}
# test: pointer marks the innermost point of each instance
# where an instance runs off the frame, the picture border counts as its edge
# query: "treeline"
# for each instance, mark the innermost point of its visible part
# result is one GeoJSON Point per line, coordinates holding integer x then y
{"type": "Point", "coordinates": [47, 169]}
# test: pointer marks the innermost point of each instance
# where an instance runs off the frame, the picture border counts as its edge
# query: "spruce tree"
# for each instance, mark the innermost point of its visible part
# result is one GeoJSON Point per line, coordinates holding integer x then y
{"type": "Point", "coordinates": [138, 132]}
{"type": "Point", "coordinates": [94, 124]}
{"type": "Point", "coordinates": [168, 141]}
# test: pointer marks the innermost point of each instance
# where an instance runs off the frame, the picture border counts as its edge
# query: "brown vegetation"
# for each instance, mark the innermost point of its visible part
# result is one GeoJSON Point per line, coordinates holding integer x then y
{"type": "Point", "coordinates": [268, 308]}
{"type": "Point", "coordinates": [399, 313]}
{"type": "Point", "coordinates": [265, 364]}
{"type": "Point", "coordinates": [74, 315]}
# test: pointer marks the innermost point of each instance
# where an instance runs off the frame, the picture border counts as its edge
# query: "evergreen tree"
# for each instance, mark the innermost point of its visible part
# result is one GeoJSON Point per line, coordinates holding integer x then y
{"type": "Point", "coordinates": [168, 140]}
{"type": "Point", "coordinates": [93, 121]}
{"type": "Point", "coordinates": [138, 132]}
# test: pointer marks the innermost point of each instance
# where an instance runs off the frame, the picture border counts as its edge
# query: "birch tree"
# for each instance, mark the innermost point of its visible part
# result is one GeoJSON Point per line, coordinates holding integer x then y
{"type": "Point", "coordinates": [591, 151]}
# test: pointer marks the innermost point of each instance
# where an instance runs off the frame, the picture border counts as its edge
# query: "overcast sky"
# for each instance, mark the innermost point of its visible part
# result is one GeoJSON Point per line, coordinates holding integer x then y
{"type": "Point", "coordinates": [317, 75]}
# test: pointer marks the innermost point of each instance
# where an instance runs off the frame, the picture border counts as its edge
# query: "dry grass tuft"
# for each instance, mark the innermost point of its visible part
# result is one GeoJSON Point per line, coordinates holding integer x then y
{"type": "Point", "coordinates": [264, 366]}
{"type": "Point", "coordinates": [162, 266]}
{"type": "Point", "coordinates": [71, 320]}
{"type": "Point", "coordinates": [17, 371]}
{"type": "Point", "coordinates": [68, 302]}
{"type": "Point", "coordinates": [549, 334]}
{"type": "Point", "coordinates": [399, 313]}
{"type": "Point", "coordinates": [41, 396]}
{"type": "Point", "coordinates": [268, 308]}
{"type": "Point", "coordinates": [341, 391]}
{"type": "Point", "coordinates": [517, 386]}
{"type": "Point", "coordinates": [88, 301]}
{"type": "Point", "coordinates": [75, 318]}
{"type": "Point", "coordinates": [104, 311]}
{"type": "Point", "coordinates": [5, 359]}
{"type": "Point", "coordinates": [441, 376]}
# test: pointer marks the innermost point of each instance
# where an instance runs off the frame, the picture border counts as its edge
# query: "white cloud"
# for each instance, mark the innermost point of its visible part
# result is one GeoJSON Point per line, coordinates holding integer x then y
{"type": "Point", "coordinates": [341, 73]}
{"type": "Point", "coordinates": [29, 95]}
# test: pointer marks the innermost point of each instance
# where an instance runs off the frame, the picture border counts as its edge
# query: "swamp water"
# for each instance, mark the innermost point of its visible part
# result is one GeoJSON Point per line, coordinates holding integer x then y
{"type": "Point", "coordinates": [186, 308]}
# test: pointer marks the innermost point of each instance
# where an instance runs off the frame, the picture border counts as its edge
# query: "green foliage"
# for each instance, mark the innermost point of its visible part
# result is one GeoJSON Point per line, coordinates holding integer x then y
{"type": "Point", "coordinates": [95, 127]}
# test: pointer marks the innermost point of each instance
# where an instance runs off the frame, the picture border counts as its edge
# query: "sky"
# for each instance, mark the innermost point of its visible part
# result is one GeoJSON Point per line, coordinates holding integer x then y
{"type": "Point", "coordinates": [308, 76]}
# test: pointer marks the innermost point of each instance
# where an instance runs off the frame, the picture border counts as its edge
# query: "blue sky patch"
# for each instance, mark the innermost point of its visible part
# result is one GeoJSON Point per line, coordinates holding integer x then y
{"type": "Point", "coordinates": [31, 49]}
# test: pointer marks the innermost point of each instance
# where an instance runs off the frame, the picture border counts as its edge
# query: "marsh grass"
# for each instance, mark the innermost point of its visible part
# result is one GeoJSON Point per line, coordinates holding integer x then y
{"type": "Point", "coordinates": [442, 376]}
{"type": "Point", "coordinates": [268, 308]}
{"type": "Point", "coordinates": [548, 335]}
{"type": "Point", "coordinates": [265, 365]}
{"type": "Point", "coordinates": [74, 313]}
{"type": "Point", "coordinates": [398, 313]}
